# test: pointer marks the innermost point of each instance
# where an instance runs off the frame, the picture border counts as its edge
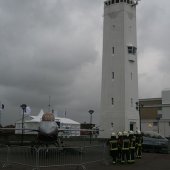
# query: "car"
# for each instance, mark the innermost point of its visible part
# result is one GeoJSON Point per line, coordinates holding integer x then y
{"type": "Point", "coordinates": [154, 142]}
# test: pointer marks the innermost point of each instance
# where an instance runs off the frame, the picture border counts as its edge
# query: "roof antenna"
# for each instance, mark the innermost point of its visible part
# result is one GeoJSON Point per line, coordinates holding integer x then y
{"type": "Point", "coordinates": [65, 114]}
{"type": "Point", "coordinates": [49, 105]}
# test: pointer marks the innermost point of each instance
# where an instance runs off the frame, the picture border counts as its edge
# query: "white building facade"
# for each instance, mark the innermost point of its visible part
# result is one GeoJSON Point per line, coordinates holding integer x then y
{"type": "Point", "coordinates": [164, 122]}
{"type": "Point", "coordinates": [119, 92]}
{"type": "Point", "coordinates": [156, 114]}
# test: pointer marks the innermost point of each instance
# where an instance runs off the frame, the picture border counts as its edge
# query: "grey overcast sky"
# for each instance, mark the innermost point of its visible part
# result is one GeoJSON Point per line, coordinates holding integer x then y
{"type": "Point", "coordinates": [54, 48]}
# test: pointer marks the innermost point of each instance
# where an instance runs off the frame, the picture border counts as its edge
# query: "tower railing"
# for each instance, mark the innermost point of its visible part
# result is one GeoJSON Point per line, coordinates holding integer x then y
{"type": "Point", "coordinates": [111, 2]}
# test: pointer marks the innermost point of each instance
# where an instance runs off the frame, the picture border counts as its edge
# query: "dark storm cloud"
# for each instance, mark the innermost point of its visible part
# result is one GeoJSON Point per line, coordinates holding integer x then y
{"type": "Point", "coordinates": [45, 49]}
{"type": "Point", "coordinates": [53, 48]}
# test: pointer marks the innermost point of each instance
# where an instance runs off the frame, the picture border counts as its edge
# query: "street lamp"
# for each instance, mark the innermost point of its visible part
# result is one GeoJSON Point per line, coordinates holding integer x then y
{"type": "Point", "coordinates": [91, 112]}
{"type": "Point", "coordinates": [139, 106]}
{"type": "Point", "coordinates": [23, 106]}
{"type": "Point", "coordinates": [158, 117]}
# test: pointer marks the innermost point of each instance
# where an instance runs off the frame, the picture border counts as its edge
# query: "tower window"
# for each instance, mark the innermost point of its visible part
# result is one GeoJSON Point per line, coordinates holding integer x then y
{"type": "Point", "coordinates": [131, 101]}
{"type": "Point", "coordinates": [113, 1]}
{"type": "Point", "coordinates": [106, 3]}
{"type": "Point", "coordinates": [113, 75]}
{"type": "Point", "coordinates": [132, 50]}
{"type": "Point", "coordinates": [131, 126]}
{"type": "Point", "coordinates": [112, 101]}
{"type": "Point", "coordinates": [113, 50]}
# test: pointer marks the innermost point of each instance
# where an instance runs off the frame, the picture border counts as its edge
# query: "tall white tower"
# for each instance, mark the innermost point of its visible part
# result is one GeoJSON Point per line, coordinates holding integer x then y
{"type": "Point", "coordinates": [119, 92]}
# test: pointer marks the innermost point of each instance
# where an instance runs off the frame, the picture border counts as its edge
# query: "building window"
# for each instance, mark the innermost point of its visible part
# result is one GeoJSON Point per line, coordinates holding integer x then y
{"type": "Point", "coordinates": [109, 2]}
{"type": "Point", "coordinates": [169, 123]}
{"type": "Point", "coordinates": [112, 101]}
{"type": "Point", "coordinates": [117, 1]}
{"type": "Point", "coordinates": [113, 50]}
{"type": "Point", "coordinates": [113, 1]}
{"type": "Point", "coordinates": [124, 0]}
{"type": "Point", "coordinates": [131, 75]}
{"type": "Point", "coordinates": [128, 2]}
{"type": "Point", "coordinates": [132, 50]}
{"type": "Point", "coordinates": [121, 0]}
{"type": "Point", "coordinates": [132, 126]}
{"type": "Point", "coordinates": [155, 123]}
{"type": "Point", "coordinates": [131, 102]}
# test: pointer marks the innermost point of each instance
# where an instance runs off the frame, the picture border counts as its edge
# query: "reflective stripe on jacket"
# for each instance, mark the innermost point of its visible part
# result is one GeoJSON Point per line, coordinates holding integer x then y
{"type": "Point", "coordinates": [132, 143]}
{"type": "Point", "coordinates": [125, 145]}
{"type": "Point", "coordinates": [113, 145]}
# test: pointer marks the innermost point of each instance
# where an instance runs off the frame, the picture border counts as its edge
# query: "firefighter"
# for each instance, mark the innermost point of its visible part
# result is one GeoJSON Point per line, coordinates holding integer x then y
{"type": "Point", "coordinates": [113, 147]}
{"type": "Point", "coordinates": [139, 141]}
{"type": "Point", "coordinates": [132, 147]}
{"type": "Point", "coordinates": [120, 142]}
{"type": "Point", "coordinates": [125, 148]}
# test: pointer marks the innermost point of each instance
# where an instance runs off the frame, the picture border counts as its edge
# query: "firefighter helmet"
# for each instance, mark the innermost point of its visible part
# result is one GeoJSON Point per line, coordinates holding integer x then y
{"type": "Point", "coordinates": [120, 134]}
{"type": "Point", "coordinates": [138, 132]}
{"type": "Point", "coordinates": [131, 132]}
{"type": "Point", "coordinates": [125, 133]}
{"type": "Point", "coordinates": [113, 134]}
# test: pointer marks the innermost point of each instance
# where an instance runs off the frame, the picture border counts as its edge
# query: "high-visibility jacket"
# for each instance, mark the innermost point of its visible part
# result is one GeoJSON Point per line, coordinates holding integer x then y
{"type": "Point", "coordinates": [125, 144]}
{"type": "Point", "coordinates": [113, 145]}
{"type": "Point", "coordinates": [132, 143]}
{"type": "Point", "coordinates": [139, 140]}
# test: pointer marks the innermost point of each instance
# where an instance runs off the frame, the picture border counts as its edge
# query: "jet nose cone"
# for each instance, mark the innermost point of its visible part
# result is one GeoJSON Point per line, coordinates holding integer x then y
{"type": "Point", "coordinates": [48, 117]}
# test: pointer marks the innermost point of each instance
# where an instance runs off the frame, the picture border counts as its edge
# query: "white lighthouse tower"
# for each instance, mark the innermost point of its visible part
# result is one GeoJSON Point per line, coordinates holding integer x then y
{"type": "Point", "coordinates": [119, 93]}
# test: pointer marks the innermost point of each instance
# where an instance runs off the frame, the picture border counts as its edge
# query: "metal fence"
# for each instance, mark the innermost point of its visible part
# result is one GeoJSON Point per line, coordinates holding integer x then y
{"type": "Point", "coordinates": [51, 156]}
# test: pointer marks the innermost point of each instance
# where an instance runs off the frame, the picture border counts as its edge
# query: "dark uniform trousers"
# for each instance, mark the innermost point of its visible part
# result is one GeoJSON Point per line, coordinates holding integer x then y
{"type": "Point", "coordinates": [139, 147]}
{"type": "Point", "coordinates": [119, 154]}
{"type": "Point", "coordinates": [125, 151]}
{"type": "Point", "coordinates": [114, 150]}
{"type": "Point", "coordinates": [132, 151]}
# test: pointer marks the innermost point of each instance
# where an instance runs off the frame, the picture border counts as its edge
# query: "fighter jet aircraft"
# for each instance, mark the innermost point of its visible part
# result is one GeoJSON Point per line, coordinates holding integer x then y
{"type": "Point", "coordinates": [48, 131]}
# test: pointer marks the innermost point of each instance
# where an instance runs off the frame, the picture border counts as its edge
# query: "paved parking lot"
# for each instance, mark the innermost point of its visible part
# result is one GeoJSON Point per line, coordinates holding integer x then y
{"type": "Point", "coordinates": [149, 161]}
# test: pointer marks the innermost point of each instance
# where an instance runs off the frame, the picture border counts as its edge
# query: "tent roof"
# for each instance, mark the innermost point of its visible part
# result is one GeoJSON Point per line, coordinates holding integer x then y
{"type": "Point", "coordinates": [39, 117]}
{"type": "Point", "coordinates": [66, 120]}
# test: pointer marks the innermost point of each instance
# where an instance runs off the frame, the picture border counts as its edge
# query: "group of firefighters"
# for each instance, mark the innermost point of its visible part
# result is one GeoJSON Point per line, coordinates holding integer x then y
{"type": "Point", "coordinates": [125, 146]}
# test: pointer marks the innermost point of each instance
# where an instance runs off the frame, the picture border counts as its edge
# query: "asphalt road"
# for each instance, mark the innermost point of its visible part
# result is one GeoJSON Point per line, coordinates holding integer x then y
{"type": "Point", "coordinates": [149, 161]}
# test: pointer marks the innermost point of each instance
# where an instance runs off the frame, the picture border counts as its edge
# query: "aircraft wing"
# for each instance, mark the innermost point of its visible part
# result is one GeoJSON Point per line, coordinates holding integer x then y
{"type": "Point", "coordinates": [87, 130]}
{"type": "Point", "coordinates": [3, 129]}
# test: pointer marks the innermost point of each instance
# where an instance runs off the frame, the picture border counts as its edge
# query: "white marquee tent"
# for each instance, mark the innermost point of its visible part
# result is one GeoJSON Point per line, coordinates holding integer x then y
{"type": "Point", "coordinates": [32, 122]}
